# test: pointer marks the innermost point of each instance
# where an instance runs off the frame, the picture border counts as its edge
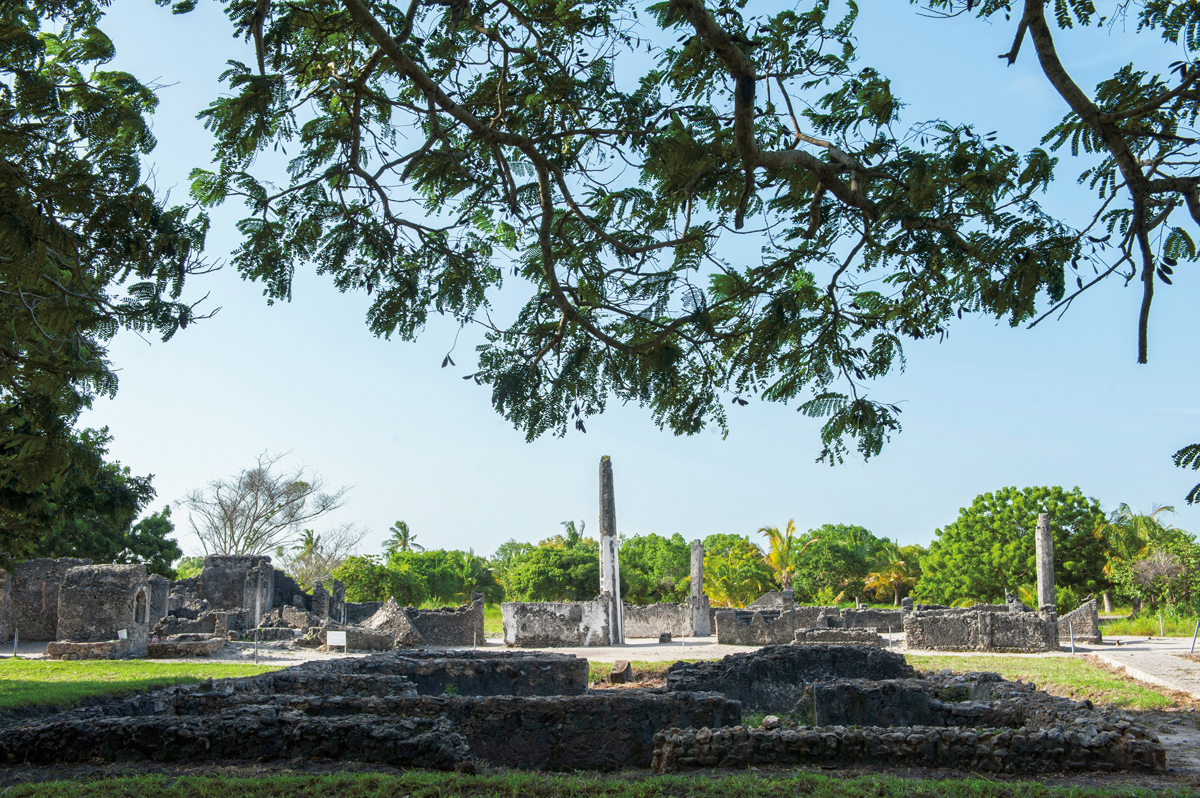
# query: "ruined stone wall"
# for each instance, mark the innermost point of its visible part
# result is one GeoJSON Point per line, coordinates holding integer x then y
{"type": "Point", "coordinates": [867, 618]}
{"type": "Point", "coordinates": [757, 628]}
{"type": "Point", "coordinates": [289, 593]}
{"type": "Point", "coordinates": [160, 591]}
{"type": "Point", "coordinates": [223, 580]}
{"type": "Point", "coordinates": [773, 679]}
{"type": "Point", "coordinates": [980, 628]}
{"type": "Point", "coordinates": [97, 602]}
{"type": "Point", "coordinates": [478, 672]}
{"type": "Point", "coordinates": [651, 620]}
{"type": "Point", "coordinates": [449, 627]}
{"type": "Point", "coordinates": [33, 596]}
{"type": "Point", "coordinates": [1084, 621]}
{"type": "Point", "coordinates": [551, 624]}
{"type": "Point", "coordinates": [359, 611]}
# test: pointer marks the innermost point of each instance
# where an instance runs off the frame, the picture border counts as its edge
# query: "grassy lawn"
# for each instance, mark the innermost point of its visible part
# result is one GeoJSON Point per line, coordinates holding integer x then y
{"type": "Point", "coordinates": [598, 671]}
{"type": "Point", "coordinates": [417, 784]}
{"type": "Point", "coordinates": [493, 624]}
{"type": "Point", "coordinates": [1147, 626]}
{"type": "Point", "coordinates": [25, 682]}
{"type": "Point", "coordinates": [1073, 677]}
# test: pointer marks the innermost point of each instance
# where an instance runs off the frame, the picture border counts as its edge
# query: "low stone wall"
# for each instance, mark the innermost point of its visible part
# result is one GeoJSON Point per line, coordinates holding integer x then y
{"type": "Point", "coordinates": [1083, 622]}
{"type": "Point", "coordinates": [976, 721]}
{"type": "Point", "coordinates": [879, 620]}
{"type": "Point", "coordinates": [169, 648]}
{"type": "Point", "coordinates": [355, 710]}
{"type": "Point", "coordinates": [556, 624]}
{"type": "Point", "coordinates": [981, 628]}
{"type": "Point", "coordinates": [773, 679]}
{"type": "Point", "coordinates": [449, 627]}
{"type": "Point", "coordinates": [842, 637]}
{"type": "Point", "coordinates": [756, 628]}
{"type": "Point", "coordinates": [651, 620]}
{"type": "Point", "coordinates": [134, 646]}
{"type": "Point", "coordinates": [999, 750]}
{"type": "Point", "coordinates": [360, 640]}
{"type": "Point", "coordinates": [479, 672]}
{"type": "Point", "coordinates": [359, 611]}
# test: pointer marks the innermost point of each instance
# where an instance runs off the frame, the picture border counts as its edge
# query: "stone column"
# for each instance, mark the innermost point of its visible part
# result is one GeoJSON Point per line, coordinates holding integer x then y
{"type": "Point", "coordinates": [697, 601]}
{"type": "Point", "coordinates": [1044, 546]}
{"type": "Point", "coordinates": [610, 569]}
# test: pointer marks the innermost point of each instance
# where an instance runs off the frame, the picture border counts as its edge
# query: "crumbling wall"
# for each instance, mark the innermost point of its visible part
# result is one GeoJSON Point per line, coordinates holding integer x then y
{"type": "Point", "coordinates": [550, 624]}
{"type": "Point", "coordinates": [651, 620]}
{"type": "Point", "coordinates": [96, 603]}
{"type": "Point", "coordinates": [1083, 622]}
{"type": "Point", "coordinates": [289, 593]}
{"type": "Point", "coordinates": [450, 627]}
{"type": "Point", "coordinates": [223, 580]}
{"type": "Point", "coordinates": [160, 591]}
{"type": "Point", "coordinates": [33, 596]}
{"type": "Point", "coordinates": [772, 679]}
{"type": "Point", "coordinates": [867, 618]}
{"type": "Point", "coordinates": [985, 627]}
{"type": "Point", "coordinates": [847, 637]}
{"type": "Point", "coordinates": [756, 628]}
{"type": "Point", "coordinates": [359, 611]}
{"type": "Point", "coordinates": [258, 592]}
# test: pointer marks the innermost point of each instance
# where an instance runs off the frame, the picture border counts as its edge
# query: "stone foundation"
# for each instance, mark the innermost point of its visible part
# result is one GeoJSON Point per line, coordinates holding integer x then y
{"type": "Point", "coordinates": [104, 649]}
{"type": "Point", "coordinates": [843, 637]}
{"type": "Point", "coordinates": [985, 627]}
{"type": "Point", "coordinates": [170, 648]}
{"type": "Point", "coordinates": [757, 628]}
{"type": "Point", "coordinates": [774, 678]}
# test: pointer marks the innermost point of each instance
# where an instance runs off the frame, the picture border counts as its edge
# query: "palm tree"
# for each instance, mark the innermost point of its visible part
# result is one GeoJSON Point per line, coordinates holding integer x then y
{"type": "Point", "coordinates": [402, 539]}
{"type": "Point", "coordinates": [1130, 536]}
{"type": "Point", "coordinates": [890, 571]}
{"type": "Point", "coordinates": [785, 549]}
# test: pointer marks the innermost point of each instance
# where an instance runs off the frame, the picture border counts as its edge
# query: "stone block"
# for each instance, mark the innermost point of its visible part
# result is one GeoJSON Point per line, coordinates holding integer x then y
{"type": "Point", "coordinates": [450, 627]}
{"type": "Point", "coordinates": [621, 673]}
{"type": "Point", "coordinates": [223, 579]}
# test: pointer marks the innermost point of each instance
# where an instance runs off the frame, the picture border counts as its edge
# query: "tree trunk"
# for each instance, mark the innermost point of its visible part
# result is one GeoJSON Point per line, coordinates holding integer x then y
{"type": "Point", "coordinates": [896, 597]}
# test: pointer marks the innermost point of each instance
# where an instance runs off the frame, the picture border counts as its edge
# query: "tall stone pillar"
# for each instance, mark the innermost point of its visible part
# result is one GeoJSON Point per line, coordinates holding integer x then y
{"type": "Point", "coordinates": [697, 601]}
{"type": "Point", "coordinates": [1044, 547]}
{"type": "Point", "coordinates": [610, 569]}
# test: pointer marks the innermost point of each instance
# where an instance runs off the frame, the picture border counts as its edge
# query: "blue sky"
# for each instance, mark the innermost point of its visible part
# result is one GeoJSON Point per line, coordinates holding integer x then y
{"type": "Point", "coordinates": [990, 407]}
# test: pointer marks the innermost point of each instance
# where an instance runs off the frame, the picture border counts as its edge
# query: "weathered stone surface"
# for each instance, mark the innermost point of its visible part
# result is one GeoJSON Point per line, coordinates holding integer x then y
{"type": "Point", "coordinates": [976, 721]}
{"type": "Point", "coordinates": [554, 624]}
{"type": "Point", "coordinates": [651, 620]}
{"type": "Point", "coordinates": [33, 596]}
{"type": "Point", "coordinates": [985, 627]}
{"type": "Point", "coordinates": [450, 627]}
{"type": "Point", "coordinates": [879, 620]}
{"type": "Point", "coordinates": [610, 567]}
{"type": "Point", "coordinates": [621, 673]}
{"type": "Point", "coordinates": [104, 649]}
{"type": "Point", "coordinates": [697, 602]}
{"type": "Point", "coordinates": [223, 580]}
{"type": "Point", "coordinates": [1083, 621]}
{"type": "Point", "coordinates": [160, 590]}
{"type": "Point", "coordinates": [756, 628]}
{"type": "Point", "coordinates": [362, 639]}
{"type": "Point", "coordinates": [98, 602]}
{"type": "Point", "coordinates": [844, 637]}
{"type": "Point", "coordinates": [772, 679]}
{"type": "Point", "coordinates": [173, 647]}
{"type": "Point", "coordinates": [359, 611]}
{"type": "Point", "coordinates": [1044, 552]}
{"type": "Point", "coordinates": [390, 617]}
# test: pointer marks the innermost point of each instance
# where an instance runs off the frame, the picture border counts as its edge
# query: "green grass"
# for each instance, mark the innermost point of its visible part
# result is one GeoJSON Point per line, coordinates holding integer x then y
{"type": "Point", "coordinates": [31, 682]}
{"type": "Point", "coordinates": [1065, 676]}
{"type": "Point", "coordinates": [423, 784]}
{"type": "Point", "coordinates": [1147, 626]}
{"type": "Point", "coordinates": [493, 624]}
{"type": "Point", "coordinates": [598, 671]}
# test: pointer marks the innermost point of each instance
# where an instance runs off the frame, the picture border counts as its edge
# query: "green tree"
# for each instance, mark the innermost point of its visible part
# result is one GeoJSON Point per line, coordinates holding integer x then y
{"type": "Point", "coordinates": [440, 571]}
{"type": "Point", "coordinates": [189, 567]}
{"type": "Point", "coordinates": [474, 576]}
{"type": "Point", "coordinates": [555, 573]}
{"type": "Point", "coordinates": [401, 540]}
{"type": "Point", "coordinates": [736, 575]}
{"type": "Point", "coordinates": [832, 566]}
{"type": "Point", "coordinates": [655, 568]}
{"type": "Point", "coordinates": [891, 572]}
{"type": "Point", "coordinates": [731, 124]}
{"type": "Point", "coordinates": [507, 556]}
{"type": "Point", "coordinates": [87, 248]}
{"type": "Point", "coordinates": [368, 579]}
{"type": "Point", "coordinates": [785, 549]}
{"type": "Point", "coordinates": [990, 548]}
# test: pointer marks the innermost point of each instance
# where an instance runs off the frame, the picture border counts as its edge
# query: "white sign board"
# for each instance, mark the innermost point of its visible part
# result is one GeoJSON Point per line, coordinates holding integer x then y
{"type": "Point", "coordinates": [122, 634]}
{"type": "Point", "coordinates": [335, 639]}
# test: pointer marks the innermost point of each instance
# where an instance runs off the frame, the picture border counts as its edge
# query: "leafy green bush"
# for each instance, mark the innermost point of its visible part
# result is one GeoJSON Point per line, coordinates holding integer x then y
{"type": "Point", "coordinates": [367, 579]}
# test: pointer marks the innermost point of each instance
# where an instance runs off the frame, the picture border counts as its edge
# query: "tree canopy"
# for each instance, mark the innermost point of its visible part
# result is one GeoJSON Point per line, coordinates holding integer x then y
{"type": "Point", "coordinates": [608, 160]}
{"type": "Point", "coordinates": [86, 246]}
{"type": "Point", "coordinates": [990, 548]}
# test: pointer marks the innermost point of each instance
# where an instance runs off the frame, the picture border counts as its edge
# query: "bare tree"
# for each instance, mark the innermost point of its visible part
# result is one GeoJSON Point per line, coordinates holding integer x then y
{"type": "Point", "coordinates": [260, 509]}
{"type": "Point", "coordinates": [315, 556]}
